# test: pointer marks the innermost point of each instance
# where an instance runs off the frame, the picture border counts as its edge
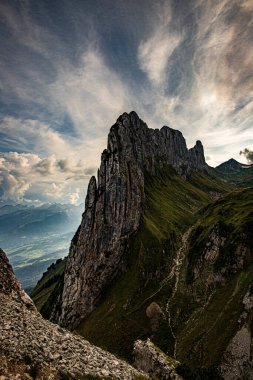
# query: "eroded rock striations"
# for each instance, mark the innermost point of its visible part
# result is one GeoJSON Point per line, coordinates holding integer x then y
{"type": "Point", "coordinates": [30, 342]}
{"type": "Point", "coordinates": [113, 208]}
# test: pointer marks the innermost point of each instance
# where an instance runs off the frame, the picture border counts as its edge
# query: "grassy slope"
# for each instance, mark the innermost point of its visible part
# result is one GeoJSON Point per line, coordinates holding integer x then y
{"type": "Point", "coordinates": [171, 204]}
{"type": "Point", "coordinates": [243, 178]}
{"type": "Point", "coordinates": [204, 336]}
{"type": "Point", "coordinates": [47, 283]}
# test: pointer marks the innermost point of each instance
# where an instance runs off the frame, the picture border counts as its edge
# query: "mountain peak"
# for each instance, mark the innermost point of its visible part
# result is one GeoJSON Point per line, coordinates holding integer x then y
{"type": "Point", "coordinates": [231, 166]}
{"type": "Point", "coordinates": [114, 205]}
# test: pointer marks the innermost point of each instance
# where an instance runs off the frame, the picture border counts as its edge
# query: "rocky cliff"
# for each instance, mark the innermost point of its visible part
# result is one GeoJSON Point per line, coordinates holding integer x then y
{"type": "Point", "coordinates": [164, 251]}
{"type": "Point", "coordinates": [32, 347]}
{"type": "Point", "coordinates": [151, 360]}
{"type": "Point", "coordinates": [113, 209]}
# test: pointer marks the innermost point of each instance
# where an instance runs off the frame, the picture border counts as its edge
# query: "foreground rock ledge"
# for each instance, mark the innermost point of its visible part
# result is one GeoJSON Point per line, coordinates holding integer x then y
{"type": "Point", "coordinates": [28, 341]}
{"type": "Point", "coordinates": [150, 359]}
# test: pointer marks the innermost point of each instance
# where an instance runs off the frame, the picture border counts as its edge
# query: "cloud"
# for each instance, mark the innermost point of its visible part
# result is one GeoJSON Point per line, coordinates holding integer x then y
{"type": "Point", "coordinates": [91, 170]}
{"type": "Point", "coordinates": [214, 103]}
{"type": "Point", "coordinates": [91, 94]}
{"type": "Point", "coordinates": [14, 174]}
{"type": "Point", "coordinates": [248, 154]}
{"type": "Point", "coordinates": [154, 53]}
{"type": "Point", "coordinates": [27, 134]}
{"type": "Point", "coordinates": [12, 187]}
{"type": "Point", "coordinates": [23, 172]}
{"type": "Point", "coordinates": [74, 197]}
{"type": "Point", "coordinates": [187, 66]}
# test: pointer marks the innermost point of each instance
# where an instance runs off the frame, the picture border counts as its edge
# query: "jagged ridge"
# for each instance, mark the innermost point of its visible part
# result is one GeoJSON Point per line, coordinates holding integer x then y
{"type": "Point", "coordinates": [113, 208]}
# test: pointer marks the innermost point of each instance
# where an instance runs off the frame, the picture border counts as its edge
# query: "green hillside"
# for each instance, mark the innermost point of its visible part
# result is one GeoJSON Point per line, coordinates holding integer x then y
{"type": "Point", "coordinates": [47, 283]}
{"type": "Point", "coordinates": [171, 207]}
{"type": "Point", "coordinates": [234, 172]}
{"type": "Point", "coordinates": [157, 293]}
{"type": "Point", "coordinates": [213, 287]}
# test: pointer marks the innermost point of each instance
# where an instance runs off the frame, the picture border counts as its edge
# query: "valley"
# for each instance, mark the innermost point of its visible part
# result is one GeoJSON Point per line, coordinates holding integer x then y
{"type": "Point", "coordinates": [35, 237]}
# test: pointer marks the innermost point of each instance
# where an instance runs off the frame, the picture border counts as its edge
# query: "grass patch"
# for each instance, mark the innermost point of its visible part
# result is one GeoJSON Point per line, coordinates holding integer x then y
{"type": "Point", "coordinates": [202, 340]}
{"type": "Point", "coordinates": [242, 178]}
{"type": "Point", "coordinates": [47, 283]}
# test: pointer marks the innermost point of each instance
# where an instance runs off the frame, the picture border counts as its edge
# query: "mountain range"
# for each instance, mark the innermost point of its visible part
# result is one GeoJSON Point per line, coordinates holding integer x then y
{"type": "Point", "coordinates": [35, 237]}
{"type": "Point", "coordinates": [161, 264]}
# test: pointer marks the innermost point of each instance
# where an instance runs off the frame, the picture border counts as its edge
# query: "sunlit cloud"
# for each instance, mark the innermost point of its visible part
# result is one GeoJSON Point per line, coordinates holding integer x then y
{"type": "Point", "coordinates": [23, 172]}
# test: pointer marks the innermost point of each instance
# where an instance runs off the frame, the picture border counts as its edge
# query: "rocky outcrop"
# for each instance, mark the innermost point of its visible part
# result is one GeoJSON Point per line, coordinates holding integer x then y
{"type": "Point", "coordinates": [9, 284]}
{"type": "Point", "coordinates": [148, 358]}
{"type": "Point", "coordinates": [237, 362]}
{"type": "Point", "coordinates": [113, 208]}
{"type": "Point", "coordinates": [30, 343]}
{"type": "Point", "coordinates": [196, 156]}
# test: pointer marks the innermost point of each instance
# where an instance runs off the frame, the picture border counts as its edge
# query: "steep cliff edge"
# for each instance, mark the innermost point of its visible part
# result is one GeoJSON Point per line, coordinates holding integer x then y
{"type": "Point", "coordinates": [113, 209]}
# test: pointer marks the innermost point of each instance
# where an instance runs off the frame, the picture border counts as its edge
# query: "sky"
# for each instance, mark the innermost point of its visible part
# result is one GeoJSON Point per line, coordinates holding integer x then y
{"type": "Point", "coordinates": [69, 68]}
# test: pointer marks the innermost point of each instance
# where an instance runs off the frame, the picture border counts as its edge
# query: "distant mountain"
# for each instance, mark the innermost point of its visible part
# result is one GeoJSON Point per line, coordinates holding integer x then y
{"type": "Point", "coordinates": [238, 174]}
{"type": "Point", "coordinates": [20, 220]}
{"type": "Point", "coordinates": [34, 237]}
{"type": "Point", "coordinates": [232, 166]}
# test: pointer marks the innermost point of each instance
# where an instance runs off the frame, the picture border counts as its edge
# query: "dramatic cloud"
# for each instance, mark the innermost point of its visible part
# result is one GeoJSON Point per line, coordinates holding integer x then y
{"type": "Point", "coordinates": [154, 53]}
{"type": "Point", "coordinates": [90, 94]}
{"type": "Point", "coordinates": [26, 135]}
{"type": "Point", "coordinates": [210, 75]}
{"type": "Point", "coordinates": [69, 70]}
{"type": "Point", "coordinates": [248, 154]}
{"type": "Point", "coordinates": [20, 172]}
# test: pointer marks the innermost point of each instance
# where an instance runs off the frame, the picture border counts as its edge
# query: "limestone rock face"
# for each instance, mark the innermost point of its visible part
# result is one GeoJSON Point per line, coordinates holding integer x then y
{"type": "Point", "coordinates": [113, 208]}
{"type": "Point", "coordinates": [150, 359]}
{"type": "Point", "coordinates": [29, 341]}
{"type": "Point", "coordinates": [196, 155]}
